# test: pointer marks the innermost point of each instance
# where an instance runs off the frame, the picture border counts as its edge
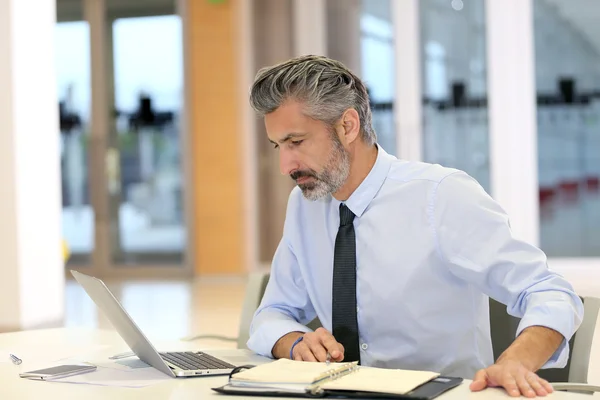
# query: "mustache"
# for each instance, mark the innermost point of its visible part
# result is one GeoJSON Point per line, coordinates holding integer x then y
{"type": "Point", "coordinates": [299, 174]}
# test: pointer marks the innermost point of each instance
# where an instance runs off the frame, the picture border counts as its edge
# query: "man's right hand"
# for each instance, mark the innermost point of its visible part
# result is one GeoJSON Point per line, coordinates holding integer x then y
{"type": "Point", "coordinates": [314, 346]}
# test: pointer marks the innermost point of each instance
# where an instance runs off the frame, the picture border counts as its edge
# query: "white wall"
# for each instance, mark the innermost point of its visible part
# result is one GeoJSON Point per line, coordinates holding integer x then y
{"type": "Point", "coordinates": [31, 268]}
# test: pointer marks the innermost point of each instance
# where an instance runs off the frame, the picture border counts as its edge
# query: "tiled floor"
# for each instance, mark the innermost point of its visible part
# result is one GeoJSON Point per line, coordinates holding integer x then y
{"type": "Point", "coordinates": [171, 310]}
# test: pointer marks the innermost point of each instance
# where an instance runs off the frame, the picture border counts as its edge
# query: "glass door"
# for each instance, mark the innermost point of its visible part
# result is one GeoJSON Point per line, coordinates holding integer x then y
{"type": "Point", "coordinates": [122, 158]}
{"type": "Point", "coordinates": [73, 85]}
{"type": "Point", "coordinates": [148, 71]}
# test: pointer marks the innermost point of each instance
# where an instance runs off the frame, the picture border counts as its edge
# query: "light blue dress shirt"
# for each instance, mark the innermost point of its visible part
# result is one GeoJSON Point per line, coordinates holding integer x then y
{"type": "Point", "coordinates": [431, 246]}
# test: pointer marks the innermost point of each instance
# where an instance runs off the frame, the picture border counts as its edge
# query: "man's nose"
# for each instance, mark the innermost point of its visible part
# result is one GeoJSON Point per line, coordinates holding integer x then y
{"type": "Point", "coordinates": [287, 162]}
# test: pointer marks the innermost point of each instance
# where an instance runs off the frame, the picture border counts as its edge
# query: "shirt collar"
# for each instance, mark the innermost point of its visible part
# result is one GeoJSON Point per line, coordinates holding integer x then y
{"type": "Point", "coordinates": [360, 199]}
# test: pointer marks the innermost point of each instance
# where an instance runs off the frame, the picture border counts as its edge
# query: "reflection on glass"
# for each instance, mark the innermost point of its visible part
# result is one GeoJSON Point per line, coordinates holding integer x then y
{"type": "Point", "coordinates": [148, 84]}
{"type": "Point", "coordinates": [455, 117]}
{"type": "Point", "coordinates": [377, 64]}
{"type": "Point", "coordinates": [73, 83]}
{"type": "Point", "coordinates": [568, 121]}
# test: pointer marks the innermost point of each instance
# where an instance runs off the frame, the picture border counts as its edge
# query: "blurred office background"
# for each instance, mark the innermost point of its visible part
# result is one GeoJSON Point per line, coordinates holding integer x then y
{"type": "Point", "coordinates": [169, 190]}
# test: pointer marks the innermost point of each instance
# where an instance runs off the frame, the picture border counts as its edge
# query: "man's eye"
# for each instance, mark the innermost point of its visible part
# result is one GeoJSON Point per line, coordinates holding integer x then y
{"type": "Point", "coordinates": [275, 146]}
{"type": "Point", "coordinates": [296, 142]}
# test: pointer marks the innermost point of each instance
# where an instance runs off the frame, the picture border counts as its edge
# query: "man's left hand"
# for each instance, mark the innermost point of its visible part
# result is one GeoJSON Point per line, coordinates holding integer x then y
{"type": "Point", "coordinates": [514, 377]}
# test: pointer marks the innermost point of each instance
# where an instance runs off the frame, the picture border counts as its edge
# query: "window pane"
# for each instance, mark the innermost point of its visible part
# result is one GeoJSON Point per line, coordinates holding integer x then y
{"type": "Point", "coordinates": [378, 71]}
{"type": "Point", "coordinates": [73, 85]}
{"type": "Point", "coordinates": [567, 51]}
{"type": "Point", "coordinates": [148, 84]}
{"type": "Point", "coordinates": [455, 117]}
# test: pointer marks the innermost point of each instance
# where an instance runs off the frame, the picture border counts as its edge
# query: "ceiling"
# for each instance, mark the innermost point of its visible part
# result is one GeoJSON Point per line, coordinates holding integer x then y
{"type": "Point", "coordinates": [72, 10]}
{"type": "Point", "coordinates": [583, 15]}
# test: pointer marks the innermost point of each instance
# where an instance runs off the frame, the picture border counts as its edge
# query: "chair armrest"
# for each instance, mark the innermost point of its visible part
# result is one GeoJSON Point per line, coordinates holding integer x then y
{"type": "Point", "coordinates": [575, 387]}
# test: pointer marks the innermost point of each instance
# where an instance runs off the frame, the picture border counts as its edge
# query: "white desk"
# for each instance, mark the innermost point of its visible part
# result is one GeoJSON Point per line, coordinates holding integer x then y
{"type": "Point", "coordinates": [57, 340]}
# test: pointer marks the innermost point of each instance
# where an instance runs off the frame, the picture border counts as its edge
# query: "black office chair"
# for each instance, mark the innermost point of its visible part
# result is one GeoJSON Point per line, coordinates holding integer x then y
{"type": "Point", "coordinates": [573, 377]}
{"type": "Point", "coordinates": [503, 327]}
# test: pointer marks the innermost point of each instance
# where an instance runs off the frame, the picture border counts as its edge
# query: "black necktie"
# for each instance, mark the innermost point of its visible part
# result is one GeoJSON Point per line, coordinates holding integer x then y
{"type": "Point", "coordinates": [345, 325]}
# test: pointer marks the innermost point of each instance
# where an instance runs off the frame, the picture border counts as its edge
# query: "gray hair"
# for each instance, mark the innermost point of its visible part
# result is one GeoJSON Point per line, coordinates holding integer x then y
{"type": "Point", "coordinates": [325, 86]}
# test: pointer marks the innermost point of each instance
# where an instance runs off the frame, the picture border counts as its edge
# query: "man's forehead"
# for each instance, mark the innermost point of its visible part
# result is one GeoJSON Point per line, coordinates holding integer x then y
{"type": "Point", "coordinates": [289, 136]}
{"type": "Point", "coordinates": [287, 121]}
{"type": "Point", "coordinates": [286, 116]}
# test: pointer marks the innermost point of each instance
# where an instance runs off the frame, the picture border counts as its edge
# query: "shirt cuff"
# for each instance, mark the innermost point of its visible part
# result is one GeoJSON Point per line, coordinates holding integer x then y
{"type": "Point", "coordinates": [268, 333]}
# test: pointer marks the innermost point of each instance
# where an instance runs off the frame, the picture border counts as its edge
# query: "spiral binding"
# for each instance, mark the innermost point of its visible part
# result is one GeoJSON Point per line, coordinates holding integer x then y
{"type": "Point", "coordinates": [332, 374]}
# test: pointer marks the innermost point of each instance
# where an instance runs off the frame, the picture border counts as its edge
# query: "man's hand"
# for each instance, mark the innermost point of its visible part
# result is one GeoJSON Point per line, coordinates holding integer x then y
{"type": "Point", "coordinates": [316, 345]}
{"type": "Point", "coordinates": [515, 368]}
{"type": "Point", "coordinates": [514, 377]}
{"type": "Point", "coordinates": [313, 347]}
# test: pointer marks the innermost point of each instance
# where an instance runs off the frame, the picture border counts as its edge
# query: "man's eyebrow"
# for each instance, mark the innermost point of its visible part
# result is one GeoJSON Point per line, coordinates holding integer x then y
{"type": "Point", "coordinates": [289, 136]}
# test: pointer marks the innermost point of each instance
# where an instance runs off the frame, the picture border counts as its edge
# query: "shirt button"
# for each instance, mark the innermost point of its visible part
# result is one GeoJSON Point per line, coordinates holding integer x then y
{"type": "Point", "coordinates": [364, 346]}
{"type": "Point", "coordinates": [357, 308]}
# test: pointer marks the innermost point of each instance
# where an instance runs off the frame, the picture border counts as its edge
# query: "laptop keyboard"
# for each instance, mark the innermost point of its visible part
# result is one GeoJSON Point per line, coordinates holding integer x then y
{"type": "Point", "coordinates": [191, 361]}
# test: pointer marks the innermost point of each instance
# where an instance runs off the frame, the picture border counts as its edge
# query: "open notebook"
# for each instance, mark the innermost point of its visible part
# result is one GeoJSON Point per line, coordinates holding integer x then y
{"type": "Point", "coordinates": [309, 379]}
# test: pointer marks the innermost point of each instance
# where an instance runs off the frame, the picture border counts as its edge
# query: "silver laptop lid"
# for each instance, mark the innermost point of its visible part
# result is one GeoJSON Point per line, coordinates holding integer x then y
{"type": "Point", "coordinates": [122, 322]}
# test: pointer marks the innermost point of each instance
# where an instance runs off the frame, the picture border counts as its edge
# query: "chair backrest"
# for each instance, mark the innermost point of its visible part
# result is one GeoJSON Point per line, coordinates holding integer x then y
{"type": "Point", "coordinates": [503, 328]}
{"type": "Point", "coordinates": [255, 289]}
{"type": "Point", "coordinates": [580, 352]}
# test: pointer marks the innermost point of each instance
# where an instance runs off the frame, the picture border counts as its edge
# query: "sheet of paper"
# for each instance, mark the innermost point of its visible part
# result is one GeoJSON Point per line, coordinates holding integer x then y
{"type": "Point", "coordinates": [381, 380]}
{"type": "Point", "coordinates": [134, 378]}
{"type": "Point", "coordinates": [132, 363]}
{"type": "Point", "coordinates": [262, 387]}
{"type": "Point", "coordinates": [42, 353]}
{"type": "Point", "coordinates": [286, 371]}
{"type": "Point", "coordinates": [121, 365]}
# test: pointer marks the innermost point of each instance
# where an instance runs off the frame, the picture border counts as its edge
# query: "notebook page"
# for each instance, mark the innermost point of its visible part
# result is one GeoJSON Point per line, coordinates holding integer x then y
{"type": "Point", "coordinates": [380, 380]}
{"type": "Point", "coordinates": [285, 371]}
{"type": "Point", "coordinates": [262, 387]}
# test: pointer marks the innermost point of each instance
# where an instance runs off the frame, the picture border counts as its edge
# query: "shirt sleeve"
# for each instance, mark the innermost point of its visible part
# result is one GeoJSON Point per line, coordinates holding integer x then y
{"type": "Point", "coordinates": [474, 238]}
{"type": "Point", "coordinates": [285, 306]}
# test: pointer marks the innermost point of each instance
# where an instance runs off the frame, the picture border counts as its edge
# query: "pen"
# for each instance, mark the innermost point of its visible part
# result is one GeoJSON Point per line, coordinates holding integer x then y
{"type": "Point", "coordinates": [328, 360]}
{"type": "Point", "coordinates": [15, 360]}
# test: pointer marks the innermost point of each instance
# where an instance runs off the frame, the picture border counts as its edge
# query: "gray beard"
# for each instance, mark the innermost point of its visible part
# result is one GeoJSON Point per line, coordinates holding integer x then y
{"type": "Point", "coordinates": [332, 178]}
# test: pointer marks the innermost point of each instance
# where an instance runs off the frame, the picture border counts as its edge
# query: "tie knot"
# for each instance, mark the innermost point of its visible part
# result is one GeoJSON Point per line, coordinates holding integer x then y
{"type": "Point", "coordinates": [346, 216]}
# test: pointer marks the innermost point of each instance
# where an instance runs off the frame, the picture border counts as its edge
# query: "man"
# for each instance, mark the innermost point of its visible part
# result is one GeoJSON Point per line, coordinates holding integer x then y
{"type": "Point", "coordinates": [396, 259]}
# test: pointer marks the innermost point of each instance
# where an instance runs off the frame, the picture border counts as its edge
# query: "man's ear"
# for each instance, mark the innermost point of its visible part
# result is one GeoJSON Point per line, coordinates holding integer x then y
{"type": "Point", "coordinates": [350, 122]}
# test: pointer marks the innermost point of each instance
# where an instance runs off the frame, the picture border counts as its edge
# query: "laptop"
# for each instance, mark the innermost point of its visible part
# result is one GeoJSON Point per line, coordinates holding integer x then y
{"type": "Point", "coordinates": [175, 364]}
